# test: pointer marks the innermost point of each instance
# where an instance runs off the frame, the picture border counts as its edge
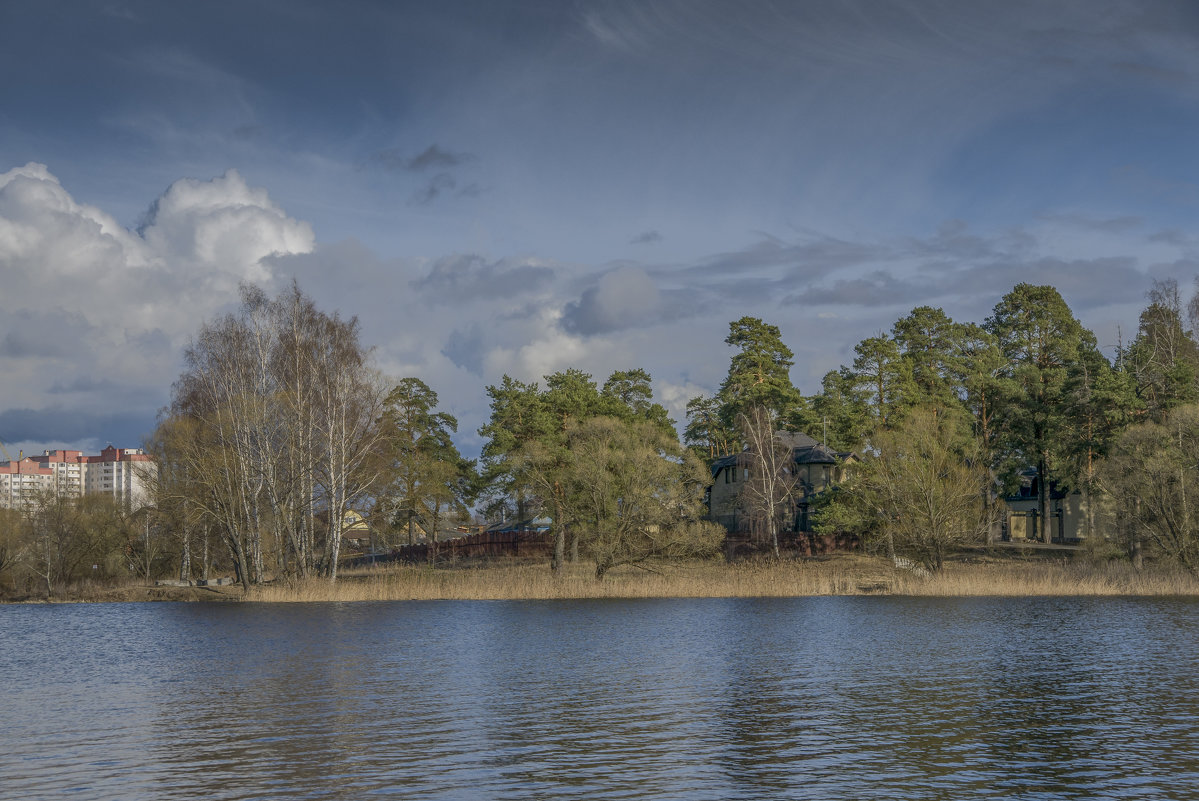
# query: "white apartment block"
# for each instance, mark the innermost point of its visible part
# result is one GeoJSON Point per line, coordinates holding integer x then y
{"type": "Point", "coordinates": [121, 473]}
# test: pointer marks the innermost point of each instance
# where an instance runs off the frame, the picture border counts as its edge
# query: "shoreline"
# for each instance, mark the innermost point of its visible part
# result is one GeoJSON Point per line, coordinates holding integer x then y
{"type": "Point", "coordinates": [842, 574]}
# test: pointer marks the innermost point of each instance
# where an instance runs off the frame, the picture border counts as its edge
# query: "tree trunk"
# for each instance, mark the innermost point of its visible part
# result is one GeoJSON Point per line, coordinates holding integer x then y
{"type": "Point", "coordinates": [204, 567]}
{"type": "Point", "coordinates": [1043, 497]}
{"type": "Point", "coordinates": [185, 558]}
{"type": "Point", "coordinates": [559, 540]}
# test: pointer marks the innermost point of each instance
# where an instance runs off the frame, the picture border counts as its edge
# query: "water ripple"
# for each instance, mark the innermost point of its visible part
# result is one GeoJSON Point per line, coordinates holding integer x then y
{"type": "Point", "coordinates": [854, 698]}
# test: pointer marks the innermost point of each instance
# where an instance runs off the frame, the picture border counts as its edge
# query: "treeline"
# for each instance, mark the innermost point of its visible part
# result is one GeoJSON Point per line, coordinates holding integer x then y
{"type": "Point", "coordinates": [54, 541]}
{"type": "Point", "coordinates": [280, 434]}
{"type": "Point", "coordinates": [947, 417]}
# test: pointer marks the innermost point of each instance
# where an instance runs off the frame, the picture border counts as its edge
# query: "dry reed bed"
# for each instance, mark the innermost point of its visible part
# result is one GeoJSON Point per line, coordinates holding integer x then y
{"type": "Point", "coordinates": [842, 575]}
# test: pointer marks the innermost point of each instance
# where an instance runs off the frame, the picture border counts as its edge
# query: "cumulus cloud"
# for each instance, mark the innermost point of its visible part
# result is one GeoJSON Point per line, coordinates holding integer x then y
{"type": "Point", "coordinates": [622, 298]}
{"type": "Point", "coordinates": [89, 302]}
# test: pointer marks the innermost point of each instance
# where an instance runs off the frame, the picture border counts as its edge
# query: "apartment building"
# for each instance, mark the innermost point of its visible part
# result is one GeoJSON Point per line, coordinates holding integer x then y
{"type": "Point", "coordinates": [121, 473]}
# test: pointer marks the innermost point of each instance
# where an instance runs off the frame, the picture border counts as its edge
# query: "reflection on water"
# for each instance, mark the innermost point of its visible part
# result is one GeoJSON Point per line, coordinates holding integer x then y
{"type": "Point", "coordinates": [713, 699]}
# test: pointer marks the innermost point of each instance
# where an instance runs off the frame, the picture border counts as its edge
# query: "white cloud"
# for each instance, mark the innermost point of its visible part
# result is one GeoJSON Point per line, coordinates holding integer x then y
{"type": "Point", "coordinates": [621, 298]}
{"type": "Point", "coordinates": [87, 302]}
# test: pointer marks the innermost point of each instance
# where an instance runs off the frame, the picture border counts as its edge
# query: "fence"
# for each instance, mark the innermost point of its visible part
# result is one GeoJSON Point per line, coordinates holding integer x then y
{"type": "Point", "coordinates": [471, 546]}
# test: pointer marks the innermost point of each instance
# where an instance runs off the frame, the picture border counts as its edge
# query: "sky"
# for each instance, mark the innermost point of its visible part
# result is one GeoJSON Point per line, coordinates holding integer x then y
{"type": "Point", "coordinates": [518, 188]}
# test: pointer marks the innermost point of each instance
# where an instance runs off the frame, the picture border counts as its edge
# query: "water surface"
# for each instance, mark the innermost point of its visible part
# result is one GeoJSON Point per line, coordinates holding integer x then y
{"type": "Point", "coordinates": [809, 698]}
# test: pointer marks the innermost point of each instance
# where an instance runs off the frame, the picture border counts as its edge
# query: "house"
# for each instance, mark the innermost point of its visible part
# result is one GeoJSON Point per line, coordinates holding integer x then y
{"type": "Point", "coordinates": [1067, 513]}
{"type": "Point", "coordinates": [355, 531]}
{"type": "Point", "coordinates": [817, 467]}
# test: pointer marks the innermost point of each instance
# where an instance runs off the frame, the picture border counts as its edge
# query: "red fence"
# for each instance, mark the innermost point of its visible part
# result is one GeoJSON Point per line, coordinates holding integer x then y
{"type": "Point", "coordinates": [483, 544]}
{"type": "Point", "coordinates": [536, 544]}
{"type": "Point", "coordinates": [801, 543]}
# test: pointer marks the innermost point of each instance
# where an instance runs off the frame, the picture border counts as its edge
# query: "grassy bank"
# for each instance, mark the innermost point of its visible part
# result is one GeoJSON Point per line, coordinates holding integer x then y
{"type": "Point", "coordinates": [129, 592]}
{"type": "Point", "coordinates": [843, 574]}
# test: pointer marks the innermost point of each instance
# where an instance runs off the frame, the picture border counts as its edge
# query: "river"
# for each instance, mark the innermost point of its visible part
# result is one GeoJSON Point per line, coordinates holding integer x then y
{"type": "Point", "coordinates": [807, 698]}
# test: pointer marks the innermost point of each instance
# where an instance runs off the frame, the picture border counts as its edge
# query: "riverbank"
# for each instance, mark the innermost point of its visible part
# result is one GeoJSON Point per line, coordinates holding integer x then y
{"type": "Point", "coordinates": [128, 593]}
{"type": "Point", "coordinates": [987, 574]}
{"type": "Point", "coordinates": [839, 574]}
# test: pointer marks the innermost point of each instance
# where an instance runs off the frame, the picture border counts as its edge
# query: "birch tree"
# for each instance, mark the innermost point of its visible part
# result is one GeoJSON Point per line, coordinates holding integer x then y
{"type": "Point", "coordinates": [271, 422]}
{"type": "Point", "coordinates": [767, 494]}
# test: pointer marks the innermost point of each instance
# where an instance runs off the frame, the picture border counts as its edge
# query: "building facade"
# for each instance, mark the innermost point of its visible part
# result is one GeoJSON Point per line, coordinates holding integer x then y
{"type": "Point", "coordinates": [124, 474]}
{"type": "Point", "coordinates": [815, 468]}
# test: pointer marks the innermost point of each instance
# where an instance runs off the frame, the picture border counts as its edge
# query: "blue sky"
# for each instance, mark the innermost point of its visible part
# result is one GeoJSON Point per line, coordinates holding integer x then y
{"type": "Point", "coordinates": [523, 187]}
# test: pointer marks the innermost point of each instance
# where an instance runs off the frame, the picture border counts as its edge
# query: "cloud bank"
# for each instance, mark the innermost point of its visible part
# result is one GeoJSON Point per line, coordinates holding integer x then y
{"type": "Point", "coordinates": [95, 315]}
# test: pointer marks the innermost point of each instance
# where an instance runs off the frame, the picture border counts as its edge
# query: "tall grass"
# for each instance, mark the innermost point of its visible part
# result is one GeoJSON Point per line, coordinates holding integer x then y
{"type": "Point", "coordinates": [840, 575]}
{"type": "Point", "coordinates": [1056, 578]}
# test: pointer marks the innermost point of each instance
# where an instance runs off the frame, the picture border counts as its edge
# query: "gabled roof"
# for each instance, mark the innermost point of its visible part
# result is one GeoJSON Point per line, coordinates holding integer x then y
{"type": "Point", "coordinates": [804, 450]}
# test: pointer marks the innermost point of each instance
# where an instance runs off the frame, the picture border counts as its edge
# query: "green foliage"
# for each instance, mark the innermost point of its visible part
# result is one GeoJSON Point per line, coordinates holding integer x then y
{"type": "Point", "coordinates": [528, 453]}
{"type": "Point", "coordinates": [1152, 473]}
{"type": "Point", "coordinates": [759, 373]}
{"type": "Point", "coordinates": [571, 396]}
{"type": "Point", "coordinates": [928, 342]}
{"type": "Point", "coordinates": [1163, 360]}
{"type": "Point", "coordinates": [885, 378]}
{"type": "Point", "coordinates": [427, 478]}
{"type": "Point", "coordinates": [841, 411]}
{"type": "Point", "coordinates": [980, 380]}
{"type": "Point", "coordinates": [705, 432]}
{"type": "Point", "coordinates": [631, 490]}
{"type": "Point", "coordinates": [629, 395]}
{"type": "Point", "coordinates": [1043, 345]}
{"type": "Point", "coordinates": [921, 493]}
{"type": "Point", "coordinates": [518, 416]}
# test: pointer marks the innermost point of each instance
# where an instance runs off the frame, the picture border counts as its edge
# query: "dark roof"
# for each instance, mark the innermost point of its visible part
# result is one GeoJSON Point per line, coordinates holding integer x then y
{"type": "Point", "coordinates": [805, 450]}
{"type": "Point", "coordinates": [1026, 490]}
{"type": "Point", "coordinates": [532, 524]}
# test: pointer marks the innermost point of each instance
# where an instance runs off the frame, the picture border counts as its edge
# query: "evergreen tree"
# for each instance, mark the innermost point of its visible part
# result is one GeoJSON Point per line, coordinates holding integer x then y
{"type": "Point", "coordinates": [759, 373]}
{"type": "Point", "coordinates": [1163, 359]}
{"type": "Point", "coordinates": [885, 377]}
{"type": "Point", "coordinates": [705, 432]}
{"type": "Point", "coordinates": [1102, 402]}
{"type": "Point", "coordinates": [1042, 342]}
{"type": "Point", "coordinates": [629, 395]}
{"type": "Point", "coordinates": [425, 468]}
{"type": "Point", "coordinates": [927, 340]}
{"type": "Point", "coordinates": [518, 416]}
{"type": "Point", "coordinates": [841, 414]}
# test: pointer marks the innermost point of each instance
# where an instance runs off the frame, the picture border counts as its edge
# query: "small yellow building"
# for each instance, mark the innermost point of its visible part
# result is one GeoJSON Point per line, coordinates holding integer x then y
{"type": "Point", "coordinates": [1069, 518]}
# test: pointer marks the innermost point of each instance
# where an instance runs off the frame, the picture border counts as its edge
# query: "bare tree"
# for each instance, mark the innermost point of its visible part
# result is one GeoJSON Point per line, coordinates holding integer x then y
{"type": "Point", "coordinates": [272, 421]}
{"type": "Point", "coordinates": [1152, 473]}
{"type": "Point", "coordinates": [768, 492]}
{"type": "Point", "coordinates": [921, 489]}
